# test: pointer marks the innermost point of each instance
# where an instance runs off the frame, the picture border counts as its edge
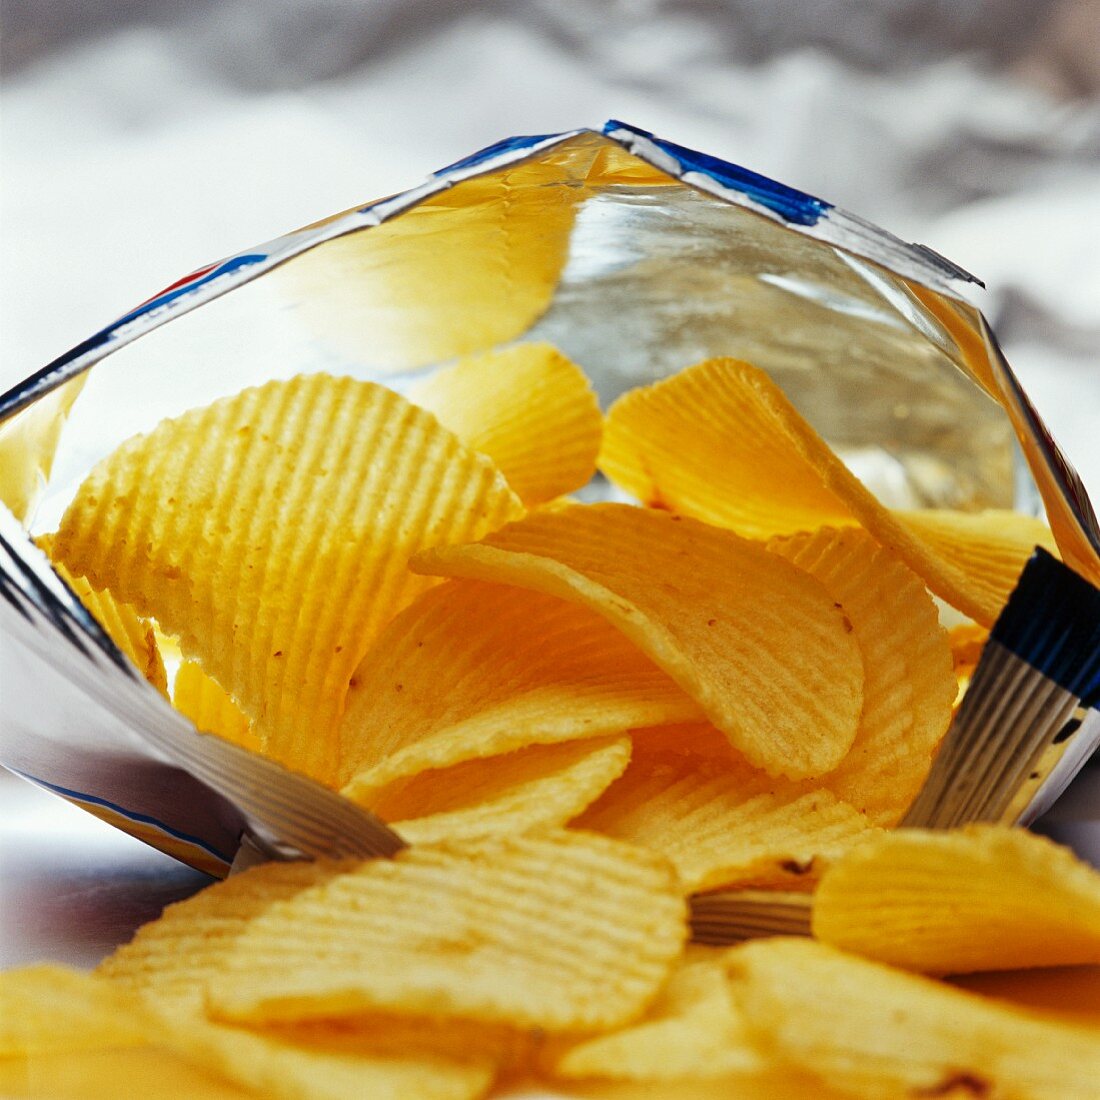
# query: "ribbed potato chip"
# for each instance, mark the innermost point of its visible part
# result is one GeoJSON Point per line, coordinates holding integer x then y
{"type": "Point", "coordinates": [379, 1058]}
{"type": "Point", "coordinates": [271, 531]}
{"type": "Point", "coordinates": [201, 699]}
{"type": "Point", "coordinates": [149, 1073]}
{"type": "Point", "coordinates": [723, 823]}
{"type": "Point", "coordinates": [908, 684]}
{"type": "Point", "coordinates": [991, 548]}
{"type": "Point", "coordinates": [561, 930]}
{"type": "Point", "coordinates": [469, 267]}
{"type": "Point", "coordinates": [878, 1032]}
{"type": "Point", "coordinates": [133, 635]}
{"type": "Point", "coordinates": [720, 441]}
{"type": "Point", "coordinates": [49, 1008]}
{"type": "Point", "coordinates": [170, 960]}
{"type": "Point", "coordinates": [530, 409]}
{"type": "Point", "coordinates": [690, 1030]}
{"type": "Point", "coordinates": [758, 643]}
{"type": "Point", "coordinates": [537, 787]}
{"type": "Point", "coordinates": [472, 670]}
{"type": "Point", "coordinates": [984, 897]}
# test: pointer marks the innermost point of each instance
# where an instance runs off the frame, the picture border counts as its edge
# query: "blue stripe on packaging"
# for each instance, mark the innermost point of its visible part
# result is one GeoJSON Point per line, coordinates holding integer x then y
{"type": "Point", "coordinates": [1052, 621]}
{"type": "Point", "coordinates": [790, 204]}
{"type": "Point", "coordinates": [130, 815]}
{"type": "Point", "coordinates": [506, 145]}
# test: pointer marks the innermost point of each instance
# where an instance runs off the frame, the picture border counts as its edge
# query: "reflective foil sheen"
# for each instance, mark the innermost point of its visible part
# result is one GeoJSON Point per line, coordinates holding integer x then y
{"type": "Point", "coordinates": [637, 258]}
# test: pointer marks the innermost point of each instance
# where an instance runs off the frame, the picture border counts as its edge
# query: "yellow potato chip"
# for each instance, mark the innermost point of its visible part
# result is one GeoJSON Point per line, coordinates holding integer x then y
{"type": "Point", "coordinates": [723, 823]}
{"type": "Point", "coordinates": [49, 1008]}
{"type": "Point", "coordinates": [1071, 993]}
{"type": "Point", "coordinates": [28, 444]}
{"type": "Point", "coordinates": [878, 1032]}
{"type": "Point", "coordinates": [758, 643]}
{"type": "Point", "coordinates": [201, 699]}
{"type": "Point", "coordinates": [530, 409]}
{"type": "Point", "coordinates": [720, 441]}
{"type": "Point", "coordinates": [271, 531]}
{"type": "Point", "coordinates": [990, 548]}
{"type": "Point", "coordinates": [170, 960]}
{"type": "Point", "coordinates": [908, 684]}
{"type": "Point", "coordinates": [537, 787]}
{"type": "Point", "coordinates": [472, 670]}
{"type": "Point", "coordinates": [148, 1073]}
{"type": "Point", "coordinates": [378, 1058]}
{"type": "Point", "coordinates": [468, 268]}
{"type": "Point", "coordinates": [133, 635]}
{"type": "Point", "coordinates": [690, 1030]}
{"type": "Point", "coordinates": [559, 930]}
{"type": "Point", "coordinates": [985, 897]}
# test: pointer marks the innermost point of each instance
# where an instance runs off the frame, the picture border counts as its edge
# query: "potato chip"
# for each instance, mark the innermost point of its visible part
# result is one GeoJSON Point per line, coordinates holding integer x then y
{"type": "Point", "coordinates": [473, 669]}
{"type": "Point", "coordinates": [469, 267]}
{"type": "Point", "coordinates": [271, 532]}
{"type": "Point", "coordinates": [721, 442]}
{"type": "Point", "coordinates": [713, 442]}
{"type": "Point", "coordinates": [49, 1008]}
{"type": "Point", "coordinates": [690, 1030]}
{"type": "Point", "coordinates": [28, 444]}
{"type": "Point", "coordinates": [878, 1032]}
{"type": "Point", "coordinates": [540, 786]}
{"type": "Point", "coordinates": [527, 407]}
{"type": "Point", "coordinates": [758, 643]}
{"type": "Point", "coordinates": [990, 548]}
{"type": "Point", "coordinates": [984, 897]}
{"type": "Point", "coordinates": [151, 1073]}
{"type": "Point", "coordinates": [561, 930]}
{"type": "Point", "coordinates": [908, 684]}
{"type": "Point", "coordinates": [170, 959]}
{"type": "Point", "coordinates": [377, 1058]}
{"type": "Point", "coordinates": [135, 637]}
{"type": "Point", "coordinates": [210, 708]}
{"type": "Point", "coordinates": [723, 823]}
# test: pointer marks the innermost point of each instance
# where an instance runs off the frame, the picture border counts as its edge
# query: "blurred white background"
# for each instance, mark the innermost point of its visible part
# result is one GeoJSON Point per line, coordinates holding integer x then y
{"type": "Point", "coordinates": [143, 138]}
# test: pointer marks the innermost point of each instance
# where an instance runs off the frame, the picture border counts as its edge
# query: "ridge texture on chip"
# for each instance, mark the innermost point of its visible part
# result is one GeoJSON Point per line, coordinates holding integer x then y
{"type": "Point", "coordinates": [721, 441]}
{"type": "Point", "coordinates": [723, 823]}
{"type": "Point", "coordinates": [756, 642]}
{"type": "Point", "coordinates": [271, 531]}
{"type": "Point", "coordinates": [558, 930]}
{"type": "Point", "coordinates": [473, 670]}
{"type": "Point", "coordinates": [530, 409]}
{"type": "Point", "coordinates": [877, 1032]}
{"type": "Point", "coordinates": [908, 685]}
{"type": "Point", "coordinates": [985, 897]}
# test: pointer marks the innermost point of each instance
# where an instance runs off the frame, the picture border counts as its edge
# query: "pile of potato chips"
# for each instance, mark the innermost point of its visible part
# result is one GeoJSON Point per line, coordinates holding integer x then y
{"type": "Point", "coordinates": [586, 720]}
